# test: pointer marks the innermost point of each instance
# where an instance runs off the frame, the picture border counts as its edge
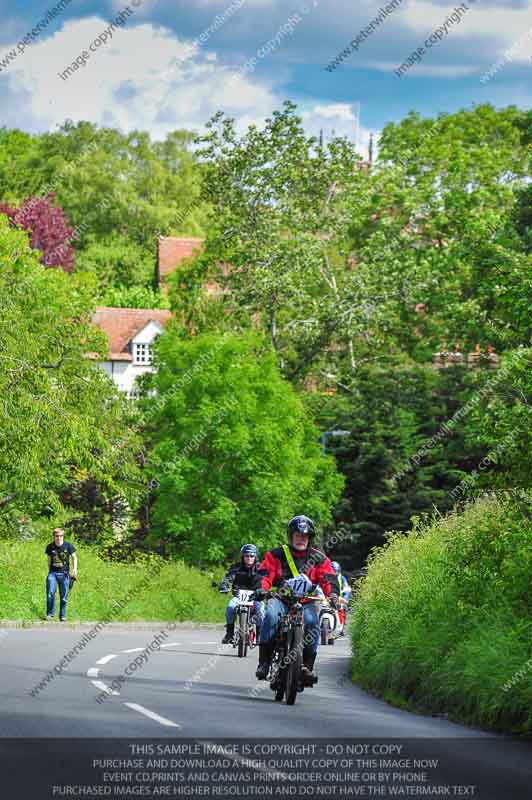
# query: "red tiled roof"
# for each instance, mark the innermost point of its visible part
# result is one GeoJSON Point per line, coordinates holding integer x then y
{"type": "Point", "coordinates": [173, 250]}
{"type": "Point", "coordinates": [122, 324]}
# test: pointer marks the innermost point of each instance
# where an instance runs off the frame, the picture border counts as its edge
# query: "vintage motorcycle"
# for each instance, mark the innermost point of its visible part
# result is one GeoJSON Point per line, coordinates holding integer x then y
{"type": "Point", "coordinates": [332, 621]}
{"type": "Point", "coordinates": [286, 668]}
{"type": "Point", "coordinates": [245, 636]}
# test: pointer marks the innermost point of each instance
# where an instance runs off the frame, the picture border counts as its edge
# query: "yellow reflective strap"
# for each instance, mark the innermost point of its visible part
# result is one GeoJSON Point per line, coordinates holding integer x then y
{"type": "Point", "coordinates": [290, 560]}
{"type": "Point", "coordinates": [340, 581]}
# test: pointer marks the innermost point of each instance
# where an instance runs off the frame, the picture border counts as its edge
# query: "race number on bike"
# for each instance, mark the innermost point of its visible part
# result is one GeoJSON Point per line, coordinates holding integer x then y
{"type": "Point", "coordinates": [244, 595]}
{"type": "Point", "coordinates": [299, 585]}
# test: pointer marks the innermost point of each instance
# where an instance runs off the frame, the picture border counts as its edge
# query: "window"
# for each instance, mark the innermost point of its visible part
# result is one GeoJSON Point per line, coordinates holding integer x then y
{"type": "Point", "coordinates": [141, 354]}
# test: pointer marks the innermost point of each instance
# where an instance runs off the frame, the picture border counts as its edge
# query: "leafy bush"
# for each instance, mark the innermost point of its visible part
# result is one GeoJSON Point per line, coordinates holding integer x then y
{"type": "Point", "coordinates": [444, 616]}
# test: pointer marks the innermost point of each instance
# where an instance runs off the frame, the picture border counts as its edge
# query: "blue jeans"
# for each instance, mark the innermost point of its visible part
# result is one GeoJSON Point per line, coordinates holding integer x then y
{"type": "Point", "coordinates": [230, 611]}
{"type": "Point", "coordinates": [275, 608]}
{"type": "Point", "coordinates": [52, 579]}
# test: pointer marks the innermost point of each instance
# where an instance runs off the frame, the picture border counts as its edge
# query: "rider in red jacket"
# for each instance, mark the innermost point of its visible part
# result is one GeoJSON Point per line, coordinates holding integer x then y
{"type": "Point", "coordinates": [288, 561]}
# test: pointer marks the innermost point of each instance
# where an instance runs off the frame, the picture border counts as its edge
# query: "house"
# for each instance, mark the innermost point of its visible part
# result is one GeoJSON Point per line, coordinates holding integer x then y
{"type": "Point", "coordinates": [130, 333]}
{"type": "Point", "coordinates": [172, 251]}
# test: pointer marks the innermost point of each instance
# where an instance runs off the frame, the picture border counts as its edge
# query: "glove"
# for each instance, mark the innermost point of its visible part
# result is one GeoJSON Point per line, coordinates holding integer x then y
{"type": "Point", "coordinates": [284, 591]}
{"type": "Point", "coordinates": [334, 600]}
{"type": "Point", "coordinates": [260, 594]}
{"type": "Point", "coordinates": [224, 587]}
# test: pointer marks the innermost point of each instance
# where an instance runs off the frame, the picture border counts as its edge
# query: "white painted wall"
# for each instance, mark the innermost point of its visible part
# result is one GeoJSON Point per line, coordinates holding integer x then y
{"type": "Point", "coordinates": [125, 373]}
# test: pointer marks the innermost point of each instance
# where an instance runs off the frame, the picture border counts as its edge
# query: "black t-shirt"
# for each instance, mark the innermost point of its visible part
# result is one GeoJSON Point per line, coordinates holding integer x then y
{"type": "Point", "coordinates": [60, 556]}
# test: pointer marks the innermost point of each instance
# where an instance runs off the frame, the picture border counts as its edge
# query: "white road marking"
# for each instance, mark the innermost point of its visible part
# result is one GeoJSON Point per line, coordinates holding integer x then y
{"type": "Point", "coordinates": [171, 644]}
{"type": "Point", "coordinates": [93, 672]}
{"type": "Point", "coordinates": [133, 650]}
{"type": "Point", "coordinates": [152, 715]}
{"type": "Point", "coordinates": [104, 688]}
{"type": "Point", "coordinates": [201, 643]}
{"type": "Point", "coordinates": [106, 659]}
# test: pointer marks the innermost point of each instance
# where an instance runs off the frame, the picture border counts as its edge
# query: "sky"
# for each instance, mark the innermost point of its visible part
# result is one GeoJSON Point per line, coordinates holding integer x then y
{"type": "Point", "coordinates": [175, 63]}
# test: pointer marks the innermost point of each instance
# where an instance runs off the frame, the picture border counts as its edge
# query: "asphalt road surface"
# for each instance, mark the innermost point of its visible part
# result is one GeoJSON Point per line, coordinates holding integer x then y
{"type": "Point", "coordinates": [191, 687]}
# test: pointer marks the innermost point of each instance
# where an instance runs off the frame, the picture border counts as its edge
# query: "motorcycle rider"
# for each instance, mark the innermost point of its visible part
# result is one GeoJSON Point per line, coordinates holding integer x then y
{"type": "Point", "coordinates": [242, 575]}
{"type": "Point", "coordinates": [345, 589]}
{"type": "Point", "coordinates": [345, 593]}
{"type": "Point", "coordinates": [286, 562]}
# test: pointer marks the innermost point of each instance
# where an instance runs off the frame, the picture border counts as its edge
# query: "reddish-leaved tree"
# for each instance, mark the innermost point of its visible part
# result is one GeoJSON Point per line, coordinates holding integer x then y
{"type": "Point", "coordinates": [50, 231]}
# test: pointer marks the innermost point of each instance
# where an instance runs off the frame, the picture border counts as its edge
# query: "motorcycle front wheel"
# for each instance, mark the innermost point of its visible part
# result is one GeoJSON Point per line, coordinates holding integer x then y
{"type": "Point", "coordinates": [243, 635]}
{"type": "Point", "coordinates": [293, 671]}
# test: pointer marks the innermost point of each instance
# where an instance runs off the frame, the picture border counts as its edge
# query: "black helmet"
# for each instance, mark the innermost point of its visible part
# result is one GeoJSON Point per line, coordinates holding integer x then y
{"type": "Point", "coordinates": [249, 550]}
{"type": "Point", "coordinates": [301, 524]}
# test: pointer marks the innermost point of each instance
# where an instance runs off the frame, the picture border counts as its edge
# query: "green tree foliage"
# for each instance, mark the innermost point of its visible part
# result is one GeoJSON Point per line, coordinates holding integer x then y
{"type": "Point", "coordinates": [233, 452]}
{"type": "Point", "coordinates": [62, 420]}
{"type": "Point", "coordinates": [116, 263]}
{"type": "Point", "coordinates": [399, 460]}
{"type": "Point", "coordinates": [120, 192]}
{"type": "Point", "coordinates": [502, 425]}
{"type": "Point", "coordinates": [18, 154]}
{"type": "Point", "coordinates": [279, 220]}
{"type": "Point", "coordinates": [434, 227]}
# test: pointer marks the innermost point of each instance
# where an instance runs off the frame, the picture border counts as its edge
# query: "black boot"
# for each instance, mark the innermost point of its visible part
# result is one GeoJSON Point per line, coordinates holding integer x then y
{"type": "Point", "coordinates": [229, 633]}
{"type": "Point", "coordinates": [265, 655]}
{"type": "Point", "coordinates": [308, 665]}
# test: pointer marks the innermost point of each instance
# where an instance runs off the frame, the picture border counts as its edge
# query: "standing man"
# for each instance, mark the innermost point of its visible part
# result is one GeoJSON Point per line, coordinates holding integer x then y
{"type": "Point", "coordinates": [59, 553]}
{"type": "Point", "coordinates": [289, 561]}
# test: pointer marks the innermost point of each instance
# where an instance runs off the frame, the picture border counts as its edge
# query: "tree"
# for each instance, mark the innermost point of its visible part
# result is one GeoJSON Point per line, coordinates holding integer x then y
{"type": "Point", "coordinates": [233, 454]}
{"type": "Point", "coordinates": [117, 263]}
{"type": "Point", "coordinates": [49, 228]}
{"type": "Point", "coordinates": [18, 177]}
{"type": "Point", "coordinates": [279, 222]}
{"type": "Point", "coordinates": [62, 419]}
{"type": "Point", "coordinates": [434, 231]}
{"type": "Point", "coordinates": [502, 425]}
{"type": "Point", "coordinates": [399, 460]}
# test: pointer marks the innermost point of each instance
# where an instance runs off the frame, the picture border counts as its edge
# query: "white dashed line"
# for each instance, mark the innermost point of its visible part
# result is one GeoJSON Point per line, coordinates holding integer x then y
{"type": "Point", "coordinates": [93, 672]}
{"type": "Point", "coordinates": [106, 659]}
{"type": "Point", "coordinates": [152, 715]}
{"type": "Point", "coordinates": [104, 688]}
{"type": "Point", "coordinates": [133, 650]}
{"type": "Point", "coordinates": [171, 644]}
{"type": "Point", "coordinates": [201, 643]}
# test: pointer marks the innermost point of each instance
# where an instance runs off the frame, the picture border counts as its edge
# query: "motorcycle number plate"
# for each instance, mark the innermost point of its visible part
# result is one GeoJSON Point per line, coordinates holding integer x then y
{"type": "Point", "coordinates": [300, 585]}
{"type": "Point", "coordinates": [244, 595]}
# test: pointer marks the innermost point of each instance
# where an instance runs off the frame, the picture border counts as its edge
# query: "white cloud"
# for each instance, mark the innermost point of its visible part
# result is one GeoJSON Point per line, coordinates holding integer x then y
{"type": "Point", "coordinates": [500, 25]}
{"type": "Point", "coordinates": [145, 77]}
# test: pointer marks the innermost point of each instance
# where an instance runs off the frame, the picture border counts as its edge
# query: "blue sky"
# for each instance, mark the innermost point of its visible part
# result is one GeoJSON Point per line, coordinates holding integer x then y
{"type": "Point", "coordinates": [151, 75]}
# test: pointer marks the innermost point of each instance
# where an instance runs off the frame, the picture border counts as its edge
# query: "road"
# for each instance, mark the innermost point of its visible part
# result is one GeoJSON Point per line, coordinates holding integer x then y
{"type": "Point", "coordinates": [190, 687]}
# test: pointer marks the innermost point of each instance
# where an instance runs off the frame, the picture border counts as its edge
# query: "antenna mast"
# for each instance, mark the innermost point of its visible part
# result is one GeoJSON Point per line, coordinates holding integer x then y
{"type": "Point", "coordinates": [357, 124]}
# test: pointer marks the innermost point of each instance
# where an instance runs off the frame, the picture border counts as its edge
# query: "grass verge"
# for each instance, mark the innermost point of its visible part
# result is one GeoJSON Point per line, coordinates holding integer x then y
{"type": "Point", "coordinates": [444, 618]}
{"type": "Point", "coordinates": [151, 589]}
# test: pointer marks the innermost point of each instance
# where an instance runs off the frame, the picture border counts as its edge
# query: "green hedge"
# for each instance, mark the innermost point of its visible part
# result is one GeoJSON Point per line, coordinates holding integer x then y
{"type": "Point", "coordinates": [151, 589]}
{"type": "Point", "coordinates": [444, 618]}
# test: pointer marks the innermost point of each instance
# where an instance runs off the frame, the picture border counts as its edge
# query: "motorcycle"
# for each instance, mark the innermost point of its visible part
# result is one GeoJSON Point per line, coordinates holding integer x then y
{"type": "Point", "coordinates": [286, 667]}
{"type": "Point", "coordinates": [246, 635]}
{"type": "Point", "coordinates": [332, 621]}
